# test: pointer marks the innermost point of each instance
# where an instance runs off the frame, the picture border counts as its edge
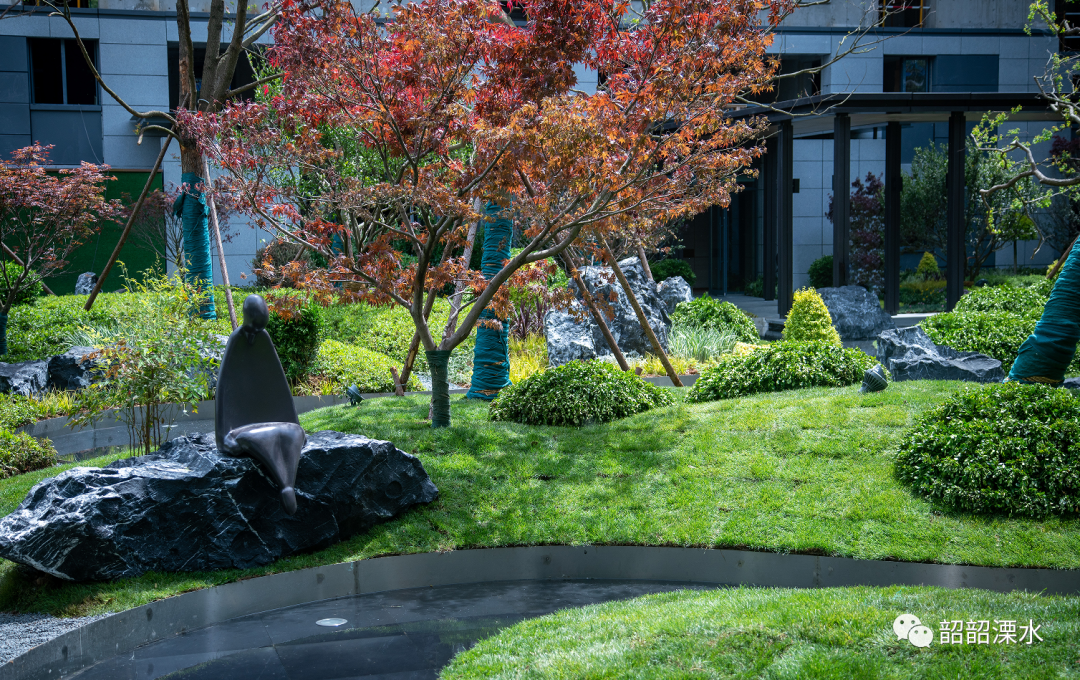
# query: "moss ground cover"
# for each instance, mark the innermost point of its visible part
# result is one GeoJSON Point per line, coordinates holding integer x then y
{"type": "Point", "coordinates": [803, 471]}
{"type": "Point", "coordinates": [780, 633]}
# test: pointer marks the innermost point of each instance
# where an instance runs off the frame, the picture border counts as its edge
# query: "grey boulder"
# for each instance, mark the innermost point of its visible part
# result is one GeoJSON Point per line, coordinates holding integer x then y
{"type": "Point", "coordinates": [910, 354]}
{"type": "Point", "coordinates": [856, 312]}
{"type": "Point", "coordinates": [624, 326]}
{"type": "Point", "coordinates": [673, 291]}
{"type": "Point", "coordinates": [85, 283]}
{"type": "Point", "coordinates": [27, 378]}
{"type": "Point", "coordinates": [188, 507]}
{"type": "Point", "coordinates": [72, 370]}
{"type": "Point", "coordinates": [568, 339]}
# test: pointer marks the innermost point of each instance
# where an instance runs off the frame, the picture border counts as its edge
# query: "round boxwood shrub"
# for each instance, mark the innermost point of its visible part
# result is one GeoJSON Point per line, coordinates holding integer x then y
{"type": "Point", "coordinates": [348, 365]}
{"type": "Point", "coordinates": [809, 319]}
{"type": "Point", "coordinates": [20, 453]}
{"type": "Point", "coordinates": [665, 269]}
{"type": "Point", "coordinates": [1002, 448]}
{"type": "Point", "coordinates": [781, 366]}
{"type": "Point", "coordinates": [1009, 299]}
{"type": "Point", "coordinates": [820, 272]}
{"type": "Point", "coordinates": [577, 393]}
{"type": "Point", "coordinates": [708, 312]}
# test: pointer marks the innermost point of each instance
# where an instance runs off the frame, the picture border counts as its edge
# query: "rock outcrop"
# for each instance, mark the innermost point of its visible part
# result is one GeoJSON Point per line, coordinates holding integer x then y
{"type": "Point", "coordinates": [72, 370]}
{"type": "Point", "coordinates": [188, 507]}
{"type": "Point", "coordinates": [85, 283]}
{"type": "Point", "coordinates": [856, 312]}
{"type": "Point", "coordinates": [910, 354]}
{"type": "Point", "coordinates": [27, 378]}
{"type": "Point", "coordinates": [566, 344]}
{"type": "Point", "coordinates": [673, 291]}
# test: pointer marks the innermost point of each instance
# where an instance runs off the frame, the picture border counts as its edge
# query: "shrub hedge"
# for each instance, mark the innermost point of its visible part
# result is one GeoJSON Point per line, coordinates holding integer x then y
{"type": "Point", "coordinates": [820, 272]}
{"type": "Point", "coordinates": [296, 339]}
{"type": "Point", "coordinates": [781, 366]}
{"type": "Point", "coordinates": [1001, 448]}
{"type": "Point", "coordinates": [665, 269]}
{"type": "Point", "coordinates": [577, 393]}
{"type": "Point", "coordinates": [386, 329]}
{"type": "Point", "coordinates": [708, 312]}
{"type": "Point", "coordinates": [993, 320]}
{"type": "Point", "coordinates": [348, 365]}
{"type": "Point", "coordinates": [20, 453]}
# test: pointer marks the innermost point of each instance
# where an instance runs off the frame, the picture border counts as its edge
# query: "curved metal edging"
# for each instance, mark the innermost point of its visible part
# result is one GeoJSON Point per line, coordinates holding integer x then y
{"type": "Point", "coordinates": [123, 632]}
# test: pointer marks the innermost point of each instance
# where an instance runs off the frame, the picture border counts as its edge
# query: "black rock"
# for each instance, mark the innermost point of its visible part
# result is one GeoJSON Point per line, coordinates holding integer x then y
{"type": "Point", "coordinates": [188, 507]}
{"type": "Point", "coordinates": [27, 378]}
{"type": "Point", "coordinates": [72, 370]}
{"type": "Point", "coordinates": [856, 312]}
{"type": "Point", "coordinates": [85, 283]}
{"type": "Point", "coordinates": [910, 354]}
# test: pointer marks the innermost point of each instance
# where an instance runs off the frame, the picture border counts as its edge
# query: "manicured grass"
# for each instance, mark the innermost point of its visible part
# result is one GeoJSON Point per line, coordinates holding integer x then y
{"type": "Point", "coordinates": [801, 471]}
{"type": "Point", "coordinates": [772, 633]}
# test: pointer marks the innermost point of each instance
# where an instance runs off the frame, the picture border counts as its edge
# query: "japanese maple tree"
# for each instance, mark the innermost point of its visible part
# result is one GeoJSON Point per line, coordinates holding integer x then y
{"type": "Point", "coordinates": [44, 217]}
{"type": "Point", "coordinates": [450, 106]}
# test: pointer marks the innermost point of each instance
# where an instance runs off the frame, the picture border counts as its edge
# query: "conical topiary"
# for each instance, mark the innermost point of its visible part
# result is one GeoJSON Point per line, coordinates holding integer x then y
{"type": "Point", "coordinates": [809, 319]}
{"type": "Point", "coordinates": [928, 267]}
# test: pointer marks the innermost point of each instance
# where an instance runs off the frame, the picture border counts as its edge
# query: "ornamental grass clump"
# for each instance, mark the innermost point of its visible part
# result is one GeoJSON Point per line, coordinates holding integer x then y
{"type": "Point", "coordinates": [809, 319]}
{"type": "Point", "coordinates": [577, 393]}
{"type": "Point", "coordinates": [1003, 448]}
{"type": "Point", "coordinates": [781, 366]}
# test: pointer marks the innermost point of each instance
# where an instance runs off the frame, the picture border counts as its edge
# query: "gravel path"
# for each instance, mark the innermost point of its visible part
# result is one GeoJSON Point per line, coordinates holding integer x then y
{"type": "Point", "coordinates": [21, 632]}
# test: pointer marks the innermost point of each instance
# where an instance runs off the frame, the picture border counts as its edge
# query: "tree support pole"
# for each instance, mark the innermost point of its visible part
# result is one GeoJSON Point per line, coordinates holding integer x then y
{"type": "Point", "coordinates": [220, 249]}
{"type": "Point", "coordinates": [660, 353]}
{"type": "Point", "coordinates": [127, 227]}
{"type": "Point", "coordinates": [596, 313]}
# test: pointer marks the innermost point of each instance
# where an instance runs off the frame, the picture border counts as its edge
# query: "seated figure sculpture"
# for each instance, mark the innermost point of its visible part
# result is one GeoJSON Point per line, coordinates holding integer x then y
{"type": "Point", "coordinates": [255, 412]}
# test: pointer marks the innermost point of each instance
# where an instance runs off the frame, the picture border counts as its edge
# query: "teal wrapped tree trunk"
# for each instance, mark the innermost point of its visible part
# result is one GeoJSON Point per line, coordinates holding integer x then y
{"type": "Point", "coordinates": [491, 356]}
{"type": "Point", "coordinates": [1046, 353]}
{"type": "Point", "coordinates": [191, 208]}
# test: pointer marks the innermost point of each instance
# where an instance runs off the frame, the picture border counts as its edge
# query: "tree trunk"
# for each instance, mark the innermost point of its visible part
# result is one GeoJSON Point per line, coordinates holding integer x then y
{"type": "Point", "coordinates": [660, 353]}
{"type": "Point", "coordinates": [596, 313]}
{"type": "Point", "coordinates": [491, 355]}
{"type": "Point", "coordinates": [220, 249]}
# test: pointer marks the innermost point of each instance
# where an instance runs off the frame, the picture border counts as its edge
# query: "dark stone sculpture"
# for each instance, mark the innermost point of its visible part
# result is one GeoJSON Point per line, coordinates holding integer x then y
{"type": "Point", "coordinates": [188, 507]}
{"type": "Point", "coordinates": [255, 412]}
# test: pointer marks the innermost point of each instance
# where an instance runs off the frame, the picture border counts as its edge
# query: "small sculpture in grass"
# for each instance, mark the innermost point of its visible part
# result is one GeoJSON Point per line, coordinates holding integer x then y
{"type": "Point", "coordinates": [809, 319]}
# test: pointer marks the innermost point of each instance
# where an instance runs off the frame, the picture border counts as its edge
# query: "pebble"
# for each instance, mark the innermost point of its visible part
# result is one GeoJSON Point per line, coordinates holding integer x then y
{"type": "Point", "coordinates": [20, 633]}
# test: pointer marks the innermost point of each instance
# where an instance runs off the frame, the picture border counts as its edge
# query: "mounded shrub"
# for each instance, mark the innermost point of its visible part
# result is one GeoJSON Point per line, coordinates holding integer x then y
{"type": "Point", "coordinates": [809, 319]}
{"type": "Point", "coordinates": [1001, 448]}
{"type": "Point", "coordinates": [820, 272]}
{"type": "Point", "coordinates": [351, 365]}
{"type": "Point", "coordinates": [32, 288]}
{"type": "Point", "coordinates": [385, 329]}
{"type": "Point", "coordinates": [781, 366]}
{"type": "Point", "coordinates": [665, 269]}
{"type": "Point", "coordinates": [20, 453]}
{"type": "Point", "coordinates": [1010, 299]}
{"type": "Point", "coordinates": [928, 267]}
{"type": "Point", "coordinates": [577, 393]}
{"type": "Point", "coordinates": [296, 339]}
{"type": "Point", "coordinates": [708, 312]}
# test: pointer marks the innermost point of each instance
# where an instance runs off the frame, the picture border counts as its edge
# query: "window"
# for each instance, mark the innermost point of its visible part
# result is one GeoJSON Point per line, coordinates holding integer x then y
{"type": "Point", "coordinates": [59, 74]}
{"type": "Point", "coordinates": [903, 13]}
{"type": "Point", "coordinates": [1070, 12]}
{"type": "Point", "coordinates": [906, 74]}
{"type": "Point", "coordinates": [74, 4]}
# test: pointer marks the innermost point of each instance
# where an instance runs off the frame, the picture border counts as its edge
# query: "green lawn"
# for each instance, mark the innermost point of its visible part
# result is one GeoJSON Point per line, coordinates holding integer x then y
{"type": "Point", "coordinates": [844, 633]}
{"type": "Point", "coordinates": [802, 471]}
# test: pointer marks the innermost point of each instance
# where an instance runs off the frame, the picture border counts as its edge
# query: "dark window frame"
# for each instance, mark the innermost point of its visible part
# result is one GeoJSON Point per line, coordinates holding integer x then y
{"type": "Point", "coordinates": [894, 77]}
{"type": "Point", "coordinates": [92, 48]}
